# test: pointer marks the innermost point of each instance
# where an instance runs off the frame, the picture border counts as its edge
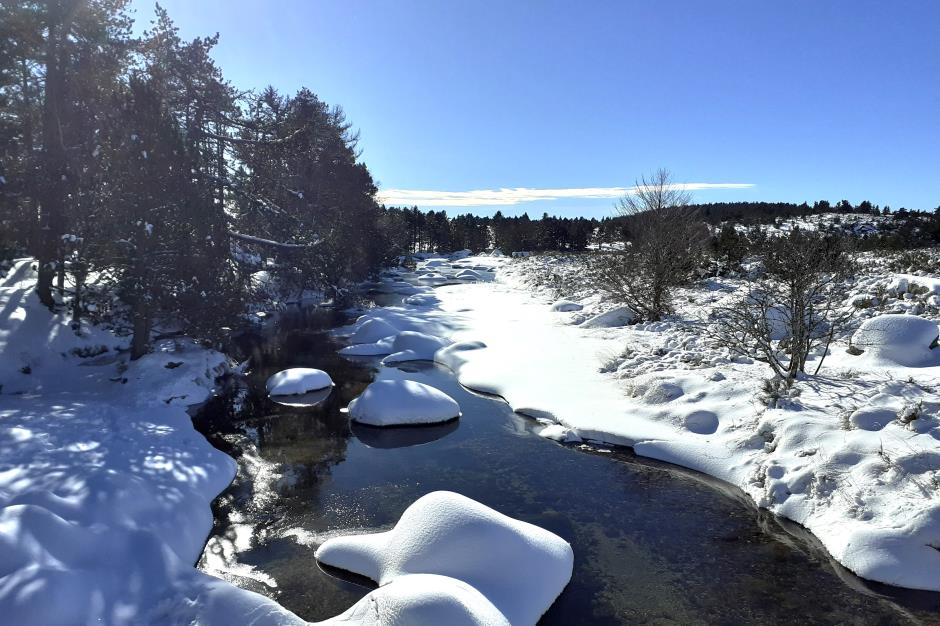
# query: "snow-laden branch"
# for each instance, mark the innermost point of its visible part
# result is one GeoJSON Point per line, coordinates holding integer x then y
{"type": "Point", "coordinates": [271, 243]}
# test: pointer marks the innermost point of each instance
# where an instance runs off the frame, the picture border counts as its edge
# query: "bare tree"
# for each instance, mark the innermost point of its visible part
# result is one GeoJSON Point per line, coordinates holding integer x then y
{"type": "Point", "coordinates": [790, 308]}
{"type": "Point", "coordinates": [666, 240]}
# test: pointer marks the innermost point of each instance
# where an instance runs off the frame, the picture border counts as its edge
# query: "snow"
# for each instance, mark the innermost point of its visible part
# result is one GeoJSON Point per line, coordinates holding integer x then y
{"type": "Point", "coordinates": [620, 316]}
{"type": "Point", "coordinates": [423, 599]}
{"type": "Point", "coordinates": [848, 454]}
{"type": "Point", "coordinates": [468, 274]}
{"type": "Point", "coordinates": [559, 433]}
{"type": "Point", "coordinates": [402, 402]}
{"type": "Point", "coordinates": [297, 380]}
{"type": "Point", "coordinates": [372, 330]}
{"type": "Point", "coordinates": [899, 339]}
{"type": "Point", "coordinates": [518, 567]}
{"type": "Point", "coordinates": [566, 306]}
{"type": "Point", "coordinates": [411, 345]}
{"type": "Point", "coordinates": [380, 347]}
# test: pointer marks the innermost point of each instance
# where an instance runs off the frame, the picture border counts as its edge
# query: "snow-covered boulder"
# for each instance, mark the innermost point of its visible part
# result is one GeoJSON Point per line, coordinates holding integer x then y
{"type": "Point", "coordinates": [460, 254]}
{"type": "Point", "coordinates": [468, 274]}
{"type": "Point", "coordinates": [518, 567]}
{"type": "Point", "coordinates": [422, 299]}
{"type": "Point", "coordinates": [566, 306]}
{"type": "Point", "coordinates": [433, 277]}
{"type": "Point", "coordinates": [557, 432]}
{"type": "Point", "coordinates": [414, 346]}
{"type": "Point", "coordinates": [497, 253]}
{"type": "Point", "coordinates": [402, 402]}
{"type": "Point", "coordinates": [620, 316]}
{"type": "Point", "coordinates": [298, 380]}
{"type": "Point", "coordinates": [898, 339]}
{"type": "Point", "coordinates": [422, 600]}
{"type": "Point", "coordinates": [372, 330]}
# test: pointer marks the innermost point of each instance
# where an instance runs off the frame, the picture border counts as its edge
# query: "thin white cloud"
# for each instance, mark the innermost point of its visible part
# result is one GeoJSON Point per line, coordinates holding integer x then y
{"type": "Point", "coordinates": [518, 195]}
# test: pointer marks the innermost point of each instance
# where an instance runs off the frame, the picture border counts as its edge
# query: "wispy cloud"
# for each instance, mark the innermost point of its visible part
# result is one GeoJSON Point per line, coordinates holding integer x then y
{"type": "Point", "coordinates": [519, 195]}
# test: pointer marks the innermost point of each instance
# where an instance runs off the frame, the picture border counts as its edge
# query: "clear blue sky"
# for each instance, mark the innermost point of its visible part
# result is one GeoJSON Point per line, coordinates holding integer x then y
{"type": "Point", "coordinates": [802, 99]}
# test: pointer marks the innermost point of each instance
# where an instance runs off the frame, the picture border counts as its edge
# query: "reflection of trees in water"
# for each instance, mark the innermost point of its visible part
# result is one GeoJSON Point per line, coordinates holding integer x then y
{"type": "Point", "coordinates": [282, 451]}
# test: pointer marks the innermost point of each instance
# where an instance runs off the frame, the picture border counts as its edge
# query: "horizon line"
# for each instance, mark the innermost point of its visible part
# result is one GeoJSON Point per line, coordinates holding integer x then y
{"type": "Point", "coordinates": [509, 196]}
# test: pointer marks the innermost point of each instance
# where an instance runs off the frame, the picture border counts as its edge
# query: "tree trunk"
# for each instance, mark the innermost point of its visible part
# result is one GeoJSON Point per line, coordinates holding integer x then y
{"type": "Point", "coordinates": [140, 342]}
{"type": "Point", "coordinates": [80, 275]}
{"type": "Point", "coordinates": [52, 194]}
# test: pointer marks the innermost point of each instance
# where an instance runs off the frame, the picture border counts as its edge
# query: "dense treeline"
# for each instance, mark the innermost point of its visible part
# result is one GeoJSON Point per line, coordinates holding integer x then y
{"type": "Point", "coordinates": [152, 191]}
{"type": "Point", "coordinates": [412, 230]}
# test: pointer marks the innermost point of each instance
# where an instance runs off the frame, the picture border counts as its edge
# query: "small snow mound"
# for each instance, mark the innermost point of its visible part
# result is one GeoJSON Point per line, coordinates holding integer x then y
{"type": "Point", "coordinates": [520, 568]}
{"type": "Point", "coordinates": [401, 402]}
{"type": "Point", "coordinates": [422, 600]}
{"type": "Point", "coordinates": [455, 355]}
{"type": "Point", "coordinates": [660, 392]}
{"type": "Point", "coordinates": [468, 274]}
{"type": "Point", "coordinates": [422, 299]}
{"type": "Point", "coordinates": [899, 339]}
{"type": "Point", "coordinates": [872, 418]}
{"type": "Point", "coordinates": [566, 306]}
{"type": "Point", "coordinates": [372, 330]}
{"type": "Point", "coordinates": [298, 380]}
{"type": "Point", "coordinates": [702, 422]}
{"type": "Point", "coordinates": [414, 346]}
{"type": "Point", "coordinates": [557, 432]}
{"type": "Point", "coordinates": [620, 316]}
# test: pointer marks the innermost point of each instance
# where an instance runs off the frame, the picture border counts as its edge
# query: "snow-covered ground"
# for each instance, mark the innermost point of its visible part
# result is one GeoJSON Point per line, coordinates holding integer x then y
{"type": "Point", "coordinates": [853, 454]}
{"type": "Point", "coordinates": [104, 483]}
{"type": "Point", "coordinates": [105, 489]}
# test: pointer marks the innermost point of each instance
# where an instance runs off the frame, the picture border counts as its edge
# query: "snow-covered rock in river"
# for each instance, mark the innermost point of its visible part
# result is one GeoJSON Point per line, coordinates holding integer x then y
{"type": "Point", "coordinates": [620, 316]}
{"type": "Point", "coordinates": [557, 432]}
{"type": "Point", "coordinates": [402, 402]}
{"type": "Point", "coordinates": [297, 380]}
{"type": "Point", "coordinates": [468, 274]}
{"type": "Point", "coordinates": [422, 600]}
{"type": "Point", "coordinates": [898, 339]}
{"type": "Point", "coordinates": [372, 330]}
{"type": "Point", "coordinates": [414, 346]}
{"type": "Point", "coordinates": [518, 567]}
{"type": "Point", "coordinates": [566, 306]}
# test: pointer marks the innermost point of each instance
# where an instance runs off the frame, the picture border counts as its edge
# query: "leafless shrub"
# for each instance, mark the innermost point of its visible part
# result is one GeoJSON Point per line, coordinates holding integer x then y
{"type": "Point", "coordinates": [666, 242]}
{"type": "Point", "coordinates": [790, 309]}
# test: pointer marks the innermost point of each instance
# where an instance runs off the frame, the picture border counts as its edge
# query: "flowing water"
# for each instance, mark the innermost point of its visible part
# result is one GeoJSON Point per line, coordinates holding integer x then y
{"type": "Point", "coordinates": [653, 544]}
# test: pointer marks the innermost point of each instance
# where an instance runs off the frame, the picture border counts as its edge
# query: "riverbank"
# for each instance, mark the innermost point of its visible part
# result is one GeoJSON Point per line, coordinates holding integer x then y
{"type": "Point", "coordinates": [104, 483]}
{"type": "Point", "coordinates": [868, 492]}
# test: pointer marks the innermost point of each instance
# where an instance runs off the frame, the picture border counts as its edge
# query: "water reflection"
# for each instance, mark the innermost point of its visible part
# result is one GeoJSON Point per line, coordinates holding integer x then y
{"type": "Point", "coordinates": [307, 400]}
{"type": "Point", "coordinates": [402, 436]}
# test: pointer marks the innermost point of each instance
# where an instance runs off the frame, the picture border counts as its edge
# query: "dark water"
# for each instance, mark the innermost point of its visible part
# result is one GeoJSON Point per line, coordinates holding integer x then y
{"type": "Point", "coordinates": [653, 544]}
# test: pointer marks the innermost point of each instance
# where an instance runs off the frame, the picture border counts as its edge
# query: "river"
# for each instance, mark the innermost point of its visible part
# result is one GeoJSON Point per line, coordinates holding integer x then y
{"type": "Point", "coordinates": [653, 543]}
